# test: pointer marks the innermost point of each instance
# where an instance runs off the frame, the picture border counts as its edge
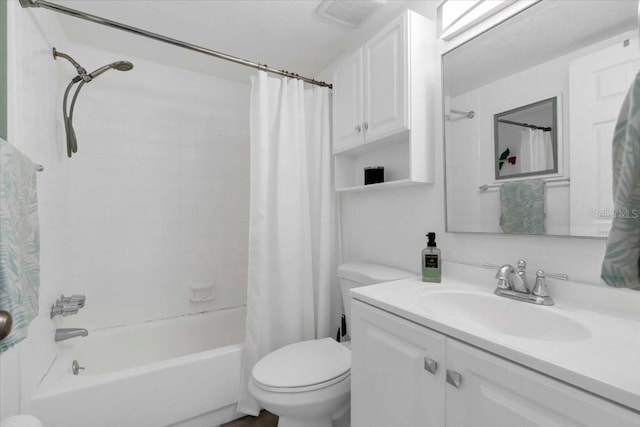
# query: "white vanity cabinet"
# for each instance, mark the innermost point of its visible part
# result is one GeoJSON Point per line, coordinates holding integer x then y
{"type": "Point", "coordinates": [390, 386]}
{"type": "Point", "coordinates": [497, 392]}
{"type": "Point", "coordinates": [381, 105]}
{"type": "Point", "coordinates": [397, 371]}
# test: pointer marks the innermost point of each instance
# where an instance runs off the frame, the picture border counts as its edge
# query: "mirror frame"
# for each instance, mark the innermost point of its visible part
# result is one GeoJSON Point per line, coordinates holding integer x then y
{"type": "Point", "coordinates": [554, 135]}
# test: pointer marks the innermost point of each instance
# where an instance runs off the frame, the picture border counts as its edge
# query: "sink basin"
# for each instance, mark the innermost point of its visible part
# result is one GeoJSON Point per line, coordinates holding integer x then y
{"type": "Point", "coordinates": [502, 315]}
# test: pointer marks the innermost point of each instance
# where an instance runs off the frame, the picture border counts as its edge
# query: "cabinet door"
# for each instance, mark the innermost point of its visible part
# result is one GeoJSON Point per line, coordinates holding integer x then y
{"type": "Point", "coordinates": [386, 81]}
{"type": "Point", "coordinates": [498, 393]}
{"type": "Point", "coordinates": [347, 103]}
{"type": "Point", "coordinates": [389, 383]}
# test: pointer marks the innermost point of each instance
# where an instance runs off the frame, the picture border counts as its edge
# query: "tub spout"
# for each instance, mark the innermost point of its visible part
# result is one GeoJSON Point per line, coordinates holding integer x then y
{"type": "Point", "coordinates": [66, 333]}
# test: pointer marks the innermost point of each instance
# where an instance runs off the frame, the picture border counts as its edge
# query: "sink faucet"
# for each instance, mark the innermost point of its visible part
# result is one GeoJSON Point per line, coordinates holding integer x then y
{"type": "Point", "coordinates": [66, 333]}
{"type": "Point", "coordinates": [513, 283]}
{"type": "Point", "coordinates": [510, 279]}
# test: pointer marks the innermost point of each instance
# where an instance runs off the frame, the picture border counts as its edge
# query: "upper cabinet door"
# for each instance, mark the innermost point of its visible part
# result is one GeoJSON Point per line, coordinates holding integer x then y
{"type": "Point", "coordinates": [347, 103]}
{"type": "Point", "coordinates": [385, 81]}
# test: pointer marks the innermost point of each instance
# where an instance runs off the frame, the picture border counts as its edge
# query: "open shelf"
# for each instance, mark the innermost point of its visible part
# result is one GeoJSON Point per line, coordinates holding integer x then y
{"type": "Point", "coordinates": [381, 186]}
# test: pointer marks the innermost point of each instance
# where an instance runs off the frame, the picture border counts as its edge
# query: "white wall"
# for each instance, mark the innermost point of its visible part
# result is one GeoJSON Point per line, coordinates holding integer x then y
{"type": "Point", "coordinates": [159, 191]}
{"type": "Point", "coordinates": [388, 226]}
{"type": "Point", "coordinates": [34, 128]}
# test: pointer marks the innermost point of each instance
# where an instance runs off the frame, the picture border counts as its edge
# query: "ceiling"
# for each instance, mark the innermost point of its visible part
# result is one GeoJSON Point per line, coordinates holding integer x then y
{"type": "Point", "coordinates": [545, 31]}
{"type": "Point", "coordinates": [283, 34]}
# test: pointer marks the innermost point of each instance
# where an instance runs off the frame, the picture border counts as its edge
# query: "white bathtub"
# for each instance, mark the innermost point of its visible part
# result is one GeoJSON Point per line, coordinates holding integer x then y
{"type": "Point", "coordinates": [177, 372]}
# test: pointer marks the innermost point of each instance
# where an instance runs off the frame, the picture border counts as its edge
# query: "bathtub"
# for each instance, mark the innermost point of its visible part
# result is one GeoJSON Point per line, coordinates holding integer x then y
{"type": "Point", "coordinates": [180, 372]}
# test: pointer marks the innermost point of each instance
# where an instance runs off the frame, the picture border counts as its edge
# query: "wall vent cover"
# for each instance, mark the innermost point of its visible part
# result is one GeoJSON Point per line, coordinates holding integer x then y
{"type": "Point", "coordinates": [349, 12]}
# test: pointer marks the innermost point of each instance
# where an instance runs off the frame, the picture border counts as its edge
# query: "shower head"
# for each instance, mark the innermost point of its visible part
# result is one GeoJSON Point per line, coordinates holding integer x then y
{"type": "Point", "coordinates": [119, 65]}
{"type": "Point", "coordinates": [81, 79]}
{"type": "Point", "coordinates": [122, 65]}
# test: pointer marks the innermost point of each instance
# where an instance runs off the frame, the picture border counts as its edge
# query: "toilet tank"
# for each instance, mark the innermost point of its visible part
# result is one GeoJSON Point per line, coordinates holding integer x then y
{"type": "Point", "coordinates": [356, 274]}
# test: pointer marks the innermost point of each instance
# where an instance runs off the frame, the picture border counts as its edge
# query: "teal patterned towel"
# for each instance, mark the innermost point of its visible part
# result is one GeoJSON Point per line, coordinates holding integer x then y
{"type": "Point", "coordinates": [620, 266]}
{"type": "Point", "coordinates": [19, 242]}
{"type": "Point", "coordinates": [522, 206]}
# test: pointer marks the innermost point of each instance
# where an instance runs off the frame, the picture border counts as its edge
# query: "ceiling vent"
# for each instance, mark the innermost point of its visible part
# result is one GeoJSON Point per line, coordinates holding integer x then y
{"type": "Point", "coordinates": [349, 12]}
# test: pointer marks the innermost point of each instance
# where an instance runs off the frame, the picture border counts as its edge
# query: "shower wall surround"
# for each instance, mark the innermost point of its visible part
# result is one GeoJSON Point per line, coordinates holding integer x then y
{"type": "Point", "coordinates": [159, 192]}
{"type": "Point", "coordinates": [155, 201]}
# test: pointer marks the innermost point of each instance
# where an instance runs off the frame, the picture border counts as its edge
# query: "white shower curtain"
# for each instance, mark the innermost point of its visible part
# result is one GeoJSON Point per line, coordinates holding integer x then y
{"type": "Point", "coordinates": [292, 221]}
{"type": "Point", "coordinates": [536, 151]}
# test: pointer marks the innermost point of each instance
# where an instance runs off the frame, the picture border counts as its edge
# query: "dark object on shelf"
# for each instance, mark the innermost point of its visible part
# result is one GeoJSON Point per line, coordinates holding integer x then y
{"type": "Point", "coordinates": [373, 175]}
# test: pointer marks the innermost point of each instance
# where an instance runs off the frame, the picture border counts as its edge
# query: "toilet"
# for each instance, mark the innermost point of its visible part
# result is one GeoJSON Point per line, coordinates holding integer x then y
{"type": "Point", "coordinates": [308, 384]}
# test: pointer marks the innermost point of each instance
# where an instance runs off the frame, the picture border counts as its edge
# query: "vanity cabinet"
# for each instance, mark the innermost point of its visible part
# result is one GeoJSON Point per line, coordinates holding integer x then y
{"type": "Point", "coordinates": [497, 392]}
{"type": "Point", "coordinates": [382, 108]}
{"type": "Point", "coordinates": [397, 371]}
{"type": "Point", "coordinates": [391, 387]}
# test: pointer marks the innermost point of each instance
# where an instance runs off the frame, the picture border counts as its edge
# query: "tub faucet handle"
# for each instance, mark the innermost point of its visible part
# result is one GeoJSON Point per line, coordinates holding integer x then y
{"type": "Point", "coordinates": [63, 309]}
{"type": "Point", "coordinates": [78, 300]}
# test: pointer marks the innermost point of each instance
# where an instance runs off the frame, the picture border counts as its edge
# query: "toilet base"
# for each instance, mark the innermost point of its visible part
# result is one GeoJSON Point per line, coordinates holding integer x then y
{"type": "Point", "coordinates": [297, 422]}
{"type": "Point", "coordinates": [315, 408]}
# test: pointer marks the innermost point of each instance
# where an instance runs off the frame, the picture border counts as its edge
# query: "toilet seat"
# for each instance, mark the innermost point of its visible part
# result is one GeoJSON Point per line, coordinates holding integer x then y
{"type": "Point", "coordinates": [303, 366]}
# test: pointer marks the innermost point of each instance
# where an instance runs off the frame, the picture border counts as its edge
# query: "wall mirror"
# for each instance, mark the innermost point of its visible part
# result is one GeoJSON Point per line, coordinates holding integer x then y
{"type": "Point", "coordinates": [547, 84]}
{"type": "Point", "coordinates": [525, 140]}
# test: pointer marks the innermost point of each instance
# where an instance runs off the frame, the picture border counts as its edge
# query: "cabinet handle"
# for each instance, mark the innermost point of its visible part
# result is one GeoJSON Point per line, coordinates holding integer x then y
{"type": "Point", "coordinates": [358, 129]}
{"type": "Point", "coordinates": [430, 365]}
{"type": "Point", "coordinates": [365, 125]}
{"type": "Point", "coordinates": [454, 378]}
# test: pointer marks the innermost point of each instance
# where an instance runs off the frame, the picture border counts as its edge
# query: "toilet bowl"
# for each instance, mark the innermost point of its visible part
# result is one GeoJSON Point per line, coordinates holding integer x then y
{"type": "Point", "coordinates": [308, 384]}
{"type": "Point", "coordinates": [20, 421]}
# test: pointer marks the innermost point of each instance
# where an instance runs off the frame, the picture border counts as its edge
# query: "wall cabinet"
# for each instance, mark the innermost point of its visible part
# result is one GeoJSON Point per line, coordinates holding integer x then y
{"type": "Point", "coordinates": [382, 106]}
{"type": "Point", "coordinates": [391, 384]}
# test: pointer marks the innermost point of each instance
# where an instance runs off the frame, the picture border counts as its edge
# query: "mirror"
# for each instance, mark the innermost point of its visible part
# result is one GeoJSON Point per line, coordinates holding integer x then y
{"type": "Point", "coordinates": [525, 140]}
{"type": "Point", "coordinates": [530, 107]}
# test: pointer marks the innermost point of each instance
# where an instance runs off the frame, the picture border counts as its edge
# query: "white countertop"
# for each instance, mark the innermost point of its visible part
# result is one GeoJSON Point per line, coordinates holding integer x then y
{"type": "Point", "coordinates": [606, 363]}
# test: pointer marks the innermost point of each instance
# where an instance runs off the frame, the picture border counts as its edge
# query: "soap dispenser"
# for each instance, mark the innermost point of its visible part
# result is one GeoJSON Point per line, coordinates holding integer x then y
{"type": "Point", "coordinates": [431, 261]}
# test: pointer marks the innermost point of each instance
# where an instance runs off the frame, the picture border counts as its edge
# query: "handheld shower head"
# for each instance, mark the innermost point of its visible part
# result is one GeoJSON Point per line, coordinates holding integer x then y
{"type": "Point", "coordinates": [82, 78]}
{"type": "Point", "coordinates": [119, 65]}
{"type": "Point", "coordinates": [122, 65]}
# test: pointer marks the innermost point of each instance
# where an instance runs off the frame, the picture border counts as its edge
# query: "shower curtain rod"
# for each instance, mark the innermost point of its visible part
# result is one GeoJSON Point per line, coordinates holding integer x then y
{"type": "Point", "coordinates": [525, 125]}
{"type": "Point", "coordinates": [123, 27]}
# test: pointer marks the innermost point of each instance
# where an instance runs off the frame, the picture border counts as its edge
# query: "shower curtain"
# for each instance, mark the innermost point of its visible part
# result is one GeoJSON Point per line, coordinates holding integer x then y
{"type": "Point", "coordinates": [536, 151]}
{"type": "Point", "coordinates": [292, 221]}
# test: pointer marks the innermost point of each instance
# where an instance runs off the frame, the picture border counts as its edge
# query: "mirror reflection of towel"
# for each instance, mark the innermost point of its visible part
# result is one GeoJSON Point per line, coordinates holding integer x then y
{"type": "Point", "coordinates": [522, 206]}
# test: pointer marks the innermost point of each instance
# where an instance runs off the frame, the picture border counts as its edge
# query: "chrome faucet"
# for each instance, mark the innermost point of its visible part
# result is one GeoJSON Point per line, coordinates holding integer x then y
{"type": "Point", "coordinates": [67, 306]}
{"type": "Point", "coordinates": [67, 333]}
{"type": "Point", "coordinates": [513, 283]}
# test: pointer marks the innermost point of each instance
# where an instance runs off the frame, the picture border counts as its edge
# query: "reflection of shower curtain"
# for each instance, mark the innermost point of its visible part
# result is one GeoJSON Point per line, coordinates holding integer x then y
{"type": "Point", "coordinates": [536, 151]}
{"type": "Point", "coordinates": [291, 221]}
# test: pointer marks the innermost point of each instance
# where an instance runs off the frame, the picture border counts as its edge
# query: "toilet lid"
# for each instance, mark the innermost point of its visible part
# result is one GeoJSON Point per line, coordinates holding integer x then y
{"type": "Point", "coordinates": [303, 364]}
